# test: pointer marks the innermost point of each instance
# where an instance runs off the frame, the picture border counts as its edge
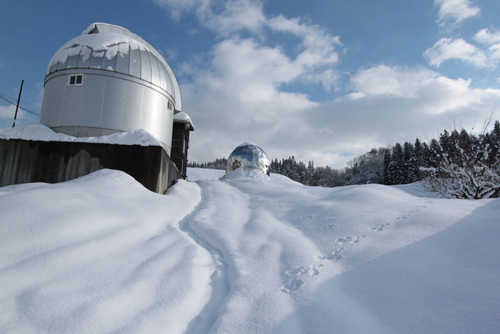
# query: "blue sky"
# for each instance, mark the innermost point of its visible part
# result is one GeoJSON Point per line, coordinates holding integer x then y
{"type": "Point", "coordinates": [321, 80]}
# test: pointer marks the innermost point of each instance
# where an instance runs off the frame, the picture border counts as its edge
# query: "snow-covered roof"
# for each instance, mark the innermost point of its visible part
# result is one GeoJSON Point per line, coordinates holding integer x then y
{"type": "Point", "coordinates": [182, 117]}
{"type": "Point", "coordinates": [40, 132]}
{"type": "Point", "coordinates": [113, 48]}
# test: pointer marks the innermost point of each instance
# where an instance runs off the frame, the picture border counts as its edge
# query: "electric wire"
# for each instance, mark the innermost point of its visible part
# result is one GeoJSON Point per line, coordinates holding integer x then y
{"type": "Point", "coordinates": [12, 98]}
{"type": "Point", "coordinates": [29, 111]}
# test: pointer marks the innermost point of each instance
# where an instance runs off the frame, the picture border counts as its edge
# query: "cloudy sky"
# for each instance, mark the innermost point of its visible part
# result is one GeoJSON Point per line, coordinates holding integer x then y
{"type": "Point", "coordinates": [323, 80]}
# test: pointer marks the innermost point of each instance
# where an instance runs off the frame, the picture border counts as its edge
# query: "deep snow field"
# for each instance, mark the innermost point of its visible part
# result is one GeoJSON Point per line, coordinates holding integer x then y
{"type": "Point", "coordinates": [245, 254]}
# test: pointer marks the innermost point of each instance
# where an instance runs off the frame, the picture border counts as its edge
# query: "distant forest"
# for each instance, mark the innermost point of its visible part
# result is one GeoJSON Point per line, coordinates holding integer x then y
{"type": "Point", "coordinates": [458, 164]}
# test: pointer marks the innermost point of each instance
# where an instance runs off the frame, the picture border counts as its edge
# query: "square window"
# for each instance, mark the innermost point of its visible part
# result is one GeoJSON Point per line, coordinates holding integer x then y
{"type": "Point", "coordinates": [76, 79]}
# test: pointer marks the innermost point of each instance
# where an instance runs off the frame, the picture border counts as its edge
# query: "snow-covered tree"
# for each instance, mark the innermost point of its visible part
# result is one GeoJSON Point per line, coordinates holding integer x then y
{"type": "Point", "coordinates": [464, 169]}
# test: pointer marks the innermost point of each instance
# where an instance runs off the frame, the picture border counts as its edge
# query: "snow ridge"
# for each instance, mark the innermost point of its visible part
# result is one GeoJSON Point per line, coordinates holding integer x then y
{"type": "Point", "coordinates": [218, 280]}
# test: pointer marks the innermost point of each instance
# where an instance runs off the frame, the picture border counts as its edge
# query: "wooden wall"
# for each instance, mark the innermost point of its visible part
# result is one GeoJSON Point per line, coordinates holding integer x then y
{"type": "Point", "coordinates": [180, 146]}
{"type": "Point", "coordinates": [23, 161]}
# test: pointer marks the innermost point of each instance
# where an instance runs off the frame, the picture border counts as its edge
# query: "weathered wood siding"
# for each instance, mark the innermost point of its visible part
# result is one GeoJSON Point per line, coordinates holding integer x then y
{"type": "Point", "coordinates": [180, 146]}
{"type": "Point", "coordinates": [23, 161]}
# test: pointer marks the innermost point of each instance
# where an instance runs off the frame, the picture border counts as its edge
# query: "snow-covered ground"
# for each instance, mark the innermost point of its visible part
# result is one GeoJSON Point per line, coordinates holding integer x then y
{"type": "Point", "coordinates": [245, 254]}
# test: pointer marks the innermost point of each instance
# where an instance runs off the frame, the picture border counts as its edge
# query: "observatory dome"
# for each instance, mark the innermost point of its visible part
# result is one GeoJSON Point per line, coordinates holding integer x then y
{"type": "Point", "coordinates": [250, 157]}
{"type": "Point", "coordinates": [109, 80]}
{"type": "Point", "coordinates": [112, 48]}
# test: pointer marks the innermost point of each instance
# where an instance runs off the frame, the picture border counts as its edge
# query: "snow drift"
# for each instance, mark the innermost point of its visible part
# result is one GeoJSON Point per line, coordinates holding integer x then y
{"type": "Point", "coordinates": [245, 254]}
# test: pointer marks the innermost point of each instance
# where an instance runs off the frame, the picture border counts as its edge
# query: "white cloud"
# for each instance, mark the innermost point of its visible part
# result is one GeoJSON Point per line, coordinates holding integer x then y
{"type": "Point", "coordinates": [7, 116]}
{"type": "Point", "coordinates": [223, 17]}
{"type": "Point", "coordinates": [459, 49]}
{"type": "Point", "coordinates": [7, 112]}
{"type": "Point", "coordinates": [319, 46]}
{"type": "Point", "coordinates": [423, 104]}
{"type": "Point", "coordinates": [328, 78]}
{"type": "Point", "coordinates": [486, 37]}
{"type": "Point", "coordinates": [391, 81]}
{"type": "Point", "coordinates": [392, 104]}
{"type": "Point", "coordinates": [170, 54]}
{"type": "Point", "coordinates": [490, 39]}
{"type": "Point", "coordinates": [453, 12]}
{"type": "Point", "coordinates": [228, 18]}
{"type": "Point", "coordinates": [430, 92]}
{"type": "Point", "coordinates": [234, 16]}
{"type": "Point", "coordinates": [178, 8]}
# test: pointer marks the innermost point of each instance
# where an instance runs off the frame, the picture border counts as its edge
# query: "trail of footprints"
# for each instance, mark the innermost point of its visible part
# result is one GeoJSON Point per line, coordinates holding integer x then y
{"type": "Point", "coordinates": [294, 281]}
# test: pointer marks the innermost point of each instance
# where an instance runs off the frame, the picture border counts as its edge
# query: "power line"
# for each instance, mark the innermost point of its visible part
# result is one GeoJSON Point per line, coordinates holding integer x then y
{"type": "Point", "coordinates": [36, 106]}
{"type": "Point", "coordinates": [31, 112]}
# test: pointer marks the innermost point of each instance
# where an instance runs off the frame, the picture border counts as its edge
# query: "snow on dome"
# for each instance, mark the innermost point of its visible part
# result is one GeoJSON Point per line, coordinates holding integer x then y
{"type": "Point", "coordinates": [248, 156]}
{"type": "Point", "coordinates": [112, 48]}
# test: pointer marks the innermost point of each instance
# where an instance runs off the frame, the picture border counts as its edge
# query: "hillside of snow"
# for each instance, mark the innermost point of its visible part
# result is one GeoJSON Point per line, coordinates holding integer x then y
{"type": "Point", "coordinates": [245, 254]}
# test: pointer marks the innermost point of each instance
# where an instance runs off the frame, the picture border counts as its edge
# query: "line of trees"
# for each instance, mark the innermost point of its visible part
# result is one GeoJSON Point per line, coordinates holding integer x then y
{"type": "Point", "coordinates": [458, 164]}
{"type": "Point", "coordinates": [217, 164]}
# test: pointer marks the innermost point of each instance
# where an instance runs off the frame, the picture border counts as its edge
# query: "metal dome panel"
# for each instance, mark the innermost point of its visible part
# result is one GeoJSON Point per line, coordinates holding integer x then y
{"type": "Point", "coordinates": [248, 156]}
{"type": "Point", "coordinates": [113, 48]}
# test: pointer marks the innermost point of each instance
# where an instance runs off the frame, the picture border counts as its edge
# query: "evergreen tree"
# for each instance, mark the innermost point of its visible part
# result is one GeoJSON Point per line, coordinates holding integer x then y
{"type": "Point", "coordinates": [387, 162]}
{"type": "Point", "coordinates": [434, 153]}
{"type": "Point", "coordinates": [407, 153]}
{"type": "Point", "coordinates": [426, 155]}
{"type": "Point", "coordinates": [492, 146]}
{"type": "Point", "coordinates": [415, 162]}
{"type": "Point", "coordinates": [397, 167]}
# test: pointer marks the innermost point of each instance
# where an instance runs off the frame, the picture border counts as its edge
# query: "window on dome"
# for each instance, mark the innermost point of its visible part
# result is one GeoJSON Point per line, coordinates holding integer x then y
{"type": "Point", "coordinates": [75, 80]}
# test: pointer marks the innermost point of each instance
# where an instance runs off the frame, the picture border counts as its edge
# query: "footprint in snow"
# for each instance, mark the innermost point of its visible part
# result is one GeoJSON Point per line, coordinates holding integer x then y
{"type": "Point", "coordinates": [295, 282]}
{"type": "Point", "coordinates": [261, 199]}
{"type": "Point", "coordinates": [330, 227]}
{"type": "Point", "coordinates": [379, 228]}
{"type": "Point", "coordinates": [292, 285]}
{"type": "Point", "coordinates": [335, 256]}
{"type": "Point", "coordinates": [350, 240]}
{"type": "Point", "coordinates": [311, 270]}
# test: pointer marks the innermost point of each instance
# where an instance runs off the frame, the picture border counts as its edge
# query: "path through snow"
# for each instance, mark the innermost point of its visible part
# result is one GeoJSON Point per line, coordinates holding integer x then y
{"type": "Point", "coordinates": [290, 248]}
{"type": "Point", "coordinates": [218, 280]}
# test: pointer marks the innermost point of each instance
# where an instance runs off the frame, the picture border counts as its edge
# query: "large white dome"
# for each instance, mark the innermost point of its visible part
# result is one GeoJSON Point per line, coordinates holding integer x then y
{"type": "Point", "coordinates": [110, 80]}
{"type": "Point", "coordinates": [116, 49]}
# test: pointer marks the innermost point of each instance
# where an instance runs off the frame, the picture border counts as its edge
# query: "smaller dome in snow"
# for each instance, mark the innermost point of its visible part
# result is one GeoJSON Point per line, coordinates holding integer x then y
{"type": "Point", "coordinates": [248, 156]}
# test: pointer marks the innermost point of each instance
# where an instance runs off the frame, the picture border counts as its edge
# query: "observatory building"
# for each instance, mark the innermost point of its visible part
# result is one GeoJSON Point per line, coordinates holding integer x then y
{"type": "Point", "coordinates": [248, 156]}
{"type": "Point", "coordinates": [109, 80]}
{"type": "Point", "coordinates": [105, 81]}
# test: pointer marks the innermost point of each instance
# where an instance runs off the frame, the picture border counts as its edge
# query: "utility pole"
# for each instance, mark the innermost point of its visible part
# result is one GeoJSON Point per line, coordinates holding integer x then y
{"type": "Point", "coordinates": [18, 100]}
